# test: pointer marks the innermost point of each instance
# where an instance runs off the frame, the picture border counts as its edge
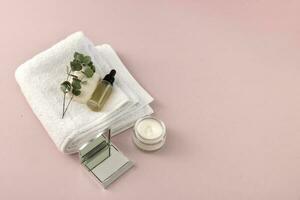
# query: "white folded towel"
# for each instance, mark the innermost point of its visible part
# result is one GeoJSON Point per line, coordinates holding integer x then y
{"type": "Point", "coordinates": [40, 77]}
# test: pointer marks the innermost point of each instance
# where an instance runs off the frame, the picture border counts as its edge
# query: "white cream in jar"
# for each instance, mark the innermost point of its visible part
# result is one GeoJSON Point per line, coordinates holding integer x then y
{"type": "Point", "coordinates": [149, 133]}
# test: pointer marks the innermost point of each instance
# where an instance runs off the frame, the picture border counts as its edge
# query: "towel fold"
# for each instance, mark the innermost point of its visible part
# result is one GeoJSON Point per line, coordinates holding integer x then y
{"type": "Point", "coordinates": [39, 80]}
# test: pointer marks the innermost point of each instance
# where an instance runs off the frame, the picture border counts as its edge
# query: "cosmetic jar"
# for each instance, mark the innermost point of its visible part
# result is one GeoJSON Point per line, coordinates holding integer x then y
{"type": "Point", "coordinates": [149, 133]}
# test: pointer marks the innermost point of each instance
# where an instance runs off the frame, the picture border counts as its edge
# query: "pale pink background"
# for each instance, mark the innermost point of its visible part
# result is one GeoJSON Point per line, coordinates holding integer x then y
{"type": "Point", "coordinates": [226, 79]}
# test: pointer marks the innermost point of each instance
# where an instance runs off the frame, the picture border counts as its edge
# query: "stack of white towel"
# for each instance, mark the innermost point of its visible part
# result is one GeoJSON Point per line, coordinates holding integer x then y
{"type": "Point", "coordinates": [40, 78]}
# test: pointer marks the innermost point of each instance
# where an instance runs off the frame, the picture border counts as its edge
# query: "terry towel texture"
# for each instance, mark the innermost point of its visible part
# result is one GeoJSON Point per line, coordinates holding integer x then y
{"type": "Point", "coordinates": [40, 78]}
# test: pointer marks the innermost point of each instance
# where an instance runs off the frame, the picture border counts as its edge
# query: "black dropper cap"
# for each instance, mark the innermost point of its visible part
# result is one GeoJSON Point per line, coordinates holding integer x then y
{"type": "Point", "coordinates": [110, 77]}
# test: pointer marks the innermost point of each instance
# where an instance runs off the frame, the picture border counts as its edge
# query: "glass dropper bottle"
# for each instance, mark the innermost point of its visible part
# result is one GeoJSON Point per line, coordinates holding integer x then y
{"type": "Point", "coordinates": [102, 92]}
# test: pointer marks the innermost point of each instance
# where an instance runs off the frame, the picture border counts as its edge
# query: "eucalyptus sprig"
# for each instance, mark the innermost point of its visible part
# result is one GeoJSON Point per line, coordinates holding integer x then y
{"type": "Point", "coordinates": [83, 64]}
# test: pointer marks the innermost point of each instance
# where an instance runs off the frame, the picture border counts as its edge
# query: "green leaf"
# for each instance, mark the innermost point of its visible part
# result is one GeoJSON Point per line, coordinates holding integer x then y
{"type": "Point", "coordinates": [91, 65]}
{"type": "Point", "coordinates": [65, 87]}
{"type": "Point", "coordinates": [86, 60]}
{"type": "Point", "coordinates": [76, 84]}
{"type": "Point", "coordinates": [75, 65]}
{"type": "Point", "coordinates": [78, 56]}
{"type": "Point", "coordinates": [88, 72]}
{"type": "Point", "coordinates": [76, 92]}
